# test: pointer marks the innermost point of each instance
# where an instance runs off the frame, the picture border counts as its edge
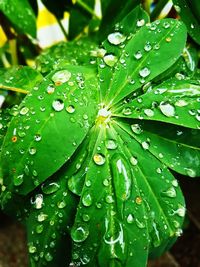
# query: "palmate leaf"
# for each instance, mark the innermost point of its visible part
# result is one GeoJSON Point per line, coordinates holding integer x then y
{"type": "Point", "coordinates": [21, 15]}
{"type": "Point", "coordinates": [44, 122]}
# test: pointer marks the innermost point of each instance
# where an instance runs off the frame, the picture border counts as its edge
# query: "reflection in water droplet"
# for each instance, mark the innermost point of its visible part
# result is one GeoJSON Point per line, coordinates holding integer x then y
{"type": "Point", "coordinates": [50, 188]}
{"type": "Point", "coordinates": [140, 22]}
{"type": "Point", "coordinates": [138, 55]}
{"type": "Point", "coordinates": [79, 233]}
{"type": "Point", "coordinates": [110, 60]}
{"type": "Point", "coordinates": [111, 144]}
{"type": "Point", "coordinates": [116, 38]}
{"type": "Point", "coordinates": [99, 159]}
{"type": "Point", "coordinates": [87, 199]}
{"type": "Point", "coordinates": [70, 109]}
{"type": "Point", "coordinates": [61, 76]}
{"type": "Point", "coordinates": [144, 72]}
{"type": "Point", "coordinates": [167, 109]}
{"type": "Point", "coordinates": [58, 105]}
{"type": "Point", "coordinates": [136, 128]}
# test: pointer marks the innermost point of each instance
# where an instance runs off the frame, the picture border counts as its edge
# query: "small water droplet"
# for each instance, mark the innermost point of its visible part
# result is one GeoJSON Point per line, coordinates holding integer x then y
{"type": "Point", "coordinates": [48, 257]}
{"type": "Point", "coordinates": [61, 204]}
{"type": "Point", "coordinates": [133, 161]}
{"type": "Point", "coordinates": [149, 112]}
{"type": "Point", "coordinates": [50, 188]}
{"type": "Point", "coordinates": [99, 159]}
{"type": "Point", "coordinates": [50, 89]}
{"type": "Point", "coordinates": [87, 199]}
{"type": "Point", "coordinates": [32, 150]}
{"type": "Point", "coordinates": [147, 47]}
{"type": "Point", "coordinates": [140, 22]}
{"type": "Point", "coordinates": [24, 110]}
{"type": "Point", "coordinates": [138, 55]}
{"type": "Point", "coordinates": [18, 180]}
{"type": "Point", "coordinates": [37, 137]}
{"type": "Point", "coordinates": [111, 144]}
{"type": "Point", "coordinates": [130, 218]}
{"type": "Point", "coordinates": [190, 172]}
{"type": "Point", "coordinates": [70, 109]}
{"type": "Point", "coordinates": [171, 192]}
{"type": "Point", "coordinates": [145, 145]}
{"type": "Point", "coordinates": [136, 128]}
{"type": "Point", "coordinates": [127, 111]}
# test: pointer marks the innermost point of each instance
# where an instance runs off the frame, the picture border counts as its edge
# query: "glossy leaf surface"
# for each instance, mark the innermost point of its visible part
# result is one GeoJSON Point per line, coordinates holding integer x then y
{"type": "Point", "coordinates": [21, 15]}
{"type": "Point", "coordinates": [45, 120]}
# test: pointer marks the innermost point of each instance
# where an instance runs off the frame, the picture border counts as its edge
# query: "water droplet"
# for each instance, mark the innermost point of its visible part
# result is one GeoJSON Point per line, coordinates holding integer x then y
{"type": "Point", "coordinates": [87, 199]}
{"type": "Point", "coordinates": [171, 192]}
{"type": "Point", "coordinates": [37, 201]}
{"type": "Point", "coordinates": [136, 128]}
{"type": "Point", "coordinates": [61, 204]}
{"type": "Point", "coordinates": [181, 103]}
{"type": "Point", "coordinates": [116, 38]}
{"type": "Point", "coordinates": [70, 109]}
{"type": "Point", "coordinates": [48, 257]}
{"type": "Point", "coordinates": [139, 224]}
{"type": "Point", "coordinates": [167, 109]}
{"type": "Point", "coordinates": [42, 217]}
{"type": "Point", "coordinates": [140, 22]}
{"type": "Point", "coordinates": [180, 211]}
{"type": "Point", "coordinates": [109, 199]}
{"type": "Point", "coordinates": [32, 249]}
{"type": "Point", "coordinates": [86, 217]}
{"type": "Point", "coordinates": [149, 112]}
{"type": "Point", "coordinates": [79, 233]}
{"type": "Point", "coordinates": [145, 145]}
{"type": "Point", "coordinates": [110, 60]}
{"type": "Point", "coordinates": [39, 228]}
{"type": "Point", "coordinates": [147, 47]}
{"type": "Point", "coordinates": [50, 89]}
{"type": "Point", "coordinates": [127, 111]}
{"type": "Point", "coordinates": [61, 76]}
{"type": "Point", "coordinates": [111, 144]}
{"type": "Point", "coordinates": [177, 8]}
{"type": "Point", "coordinates": [50, 188]}
{"type": "Point", "coordinates": [24, 110]}
{"type": "Point", "coordinates": [37, 137]}
{"type": "Point", "coordinates": [166, 25]}
{"type": "Point", "coordinates": [133, 161]}
{"type": "Point", "coordinates": [190, 172]}
{"type": "Point", "coordinates": [58, 105]}
{"type": "Point", "coordinates": [144, 72]}
{"type": "Point", "coordinates": [138, 55]}
{"type": "Point", "coordinates": [168, 39]}
{"type": "Point", "coordinates": [130, 218]}
{"type": "Point", "coordinates": [99, 159]}
{"type": "Point", "coordinates": [32, 150]}
{"type": "Point", "coordinates": [138, 200]}
{"type": "Point", "coordinates": [106, 182]}
{"type": "Point", "coordinates": [18, 180]}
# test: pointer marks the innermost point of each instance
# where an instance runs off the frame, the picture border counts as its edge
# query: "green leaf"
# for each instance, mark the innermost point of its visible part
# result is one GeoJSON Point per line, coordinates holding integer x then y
{"type": "Point", "coordinates": [174, 101]}
{"type": "Point", "coordinates": [21, 15]}
{"type": "Point", "coordinates": [157, 44]}
{"type": "Point", "coordinates": [119, 10]}
{"type": "Point", "coordinates": [108, 221]}
{"type": "Point", "coordinates": [54, 113]}
{"type": "Point", "coordinates": [66, 53]}
{"type": "Point", "coordinates": [51, 216]}
{"type": "Point", "coordinates": [111, 53]}
{"type": "Point", "coordinates": [160, 193]}
{"type": "Point", "coordinates": [19, 79]}
{"type": "Point", "coordinates": [189, 12]}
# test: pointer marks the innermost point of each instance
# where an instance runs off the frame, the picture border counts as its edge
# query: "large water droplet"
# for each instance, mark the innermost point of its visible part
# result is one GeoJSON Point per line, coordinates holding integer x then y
{"type": "Point", "coordinates": [110, 60]}
{"type": "Point", "coordinates": [116, 38]}
{"type": "Point", "coordinates": [99, 159]}
{"type": "Point", "coordinates": [167, 109]}
{"type": "Point", "coordinates": [79, 233]}
{"type": "Point", "coordinates": [58, 105]}
{"type": "Point", "coordinates": [61, 76]}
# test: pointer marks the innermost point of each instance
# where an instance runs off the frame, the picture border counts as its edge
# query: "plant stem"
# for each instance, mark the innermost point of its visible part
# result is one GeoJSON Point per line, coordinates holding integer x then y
{"type": "Point", "coordinates": [62, 28]}
{"type": "Point", "coordinates": [14, 89]}
{"type": "Point", "coordinates": [13, 51]}
{"type": "Point", "coordinates": [5, 62]}
{"type": "Point", "coordinates": [86, 8]}
{"type": "Point", "coordinates": [160, 5]}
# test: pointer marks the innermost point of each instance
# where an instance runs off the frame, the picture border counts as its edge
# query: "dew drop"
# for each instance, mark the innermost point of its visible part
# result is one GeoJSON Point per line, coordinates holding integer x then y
{"type": "Point", "coordinates": [58, 105]}
{"type": "Point", "coordinates": [61, 76]}
{"type": "Point", "coordinates": [140, 22]}
{"type": "Point", "coordinates": [171, 192]}
{"type": "Point", "coordinates": [145, 145]}
{"type": "Point", "coordinates": [110, 60]}
{"type": "Point", "coordinates": [18, 180]}
{"type": "Point", "coordinates": [50, 89]}
{"type": "Point", "coordinates": [50, 188]}
{"type": "Point", "coordinates": [133, 161]}
{"type": "Point", "coordinates": [144, 72]}
{"type": "Point", "coordinates": [116, 38]}
{"type": "Point", "coordinates": [130, 218]}
{"type": "Point", "coordinates": [48, 257]}
{"type": "Point", "coordinates": [79, 233]}
{"type": "Point", "coordinates": [149, 112]}
{"type": "Point", "coordinates": [147, 47]}
{"type": "Point", "coordinates": [136, 128]}
{"type": "Point", "coordinates": [87, 199]}
{"type": "Point", "coordinates": [37, 137]}
{"type": "Point", "coordinates": [127, 111]}
{"type": "Point", "coordinates": [111, 144]}
{"type": "Point", "coordinates": [167, 109]}
{"type": "Point", "coordinates": [138, 55]}
{"type": "Point", "coordinates": [190, 172]}
{"type": "Point", "coordinates": [99, 159]}
{"type": "Point", "coordinates": [24, 110]}
{"type": "Point", "coordinates": [32, 150]}
{"type": "Point", "coordinates": [70, 109]}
